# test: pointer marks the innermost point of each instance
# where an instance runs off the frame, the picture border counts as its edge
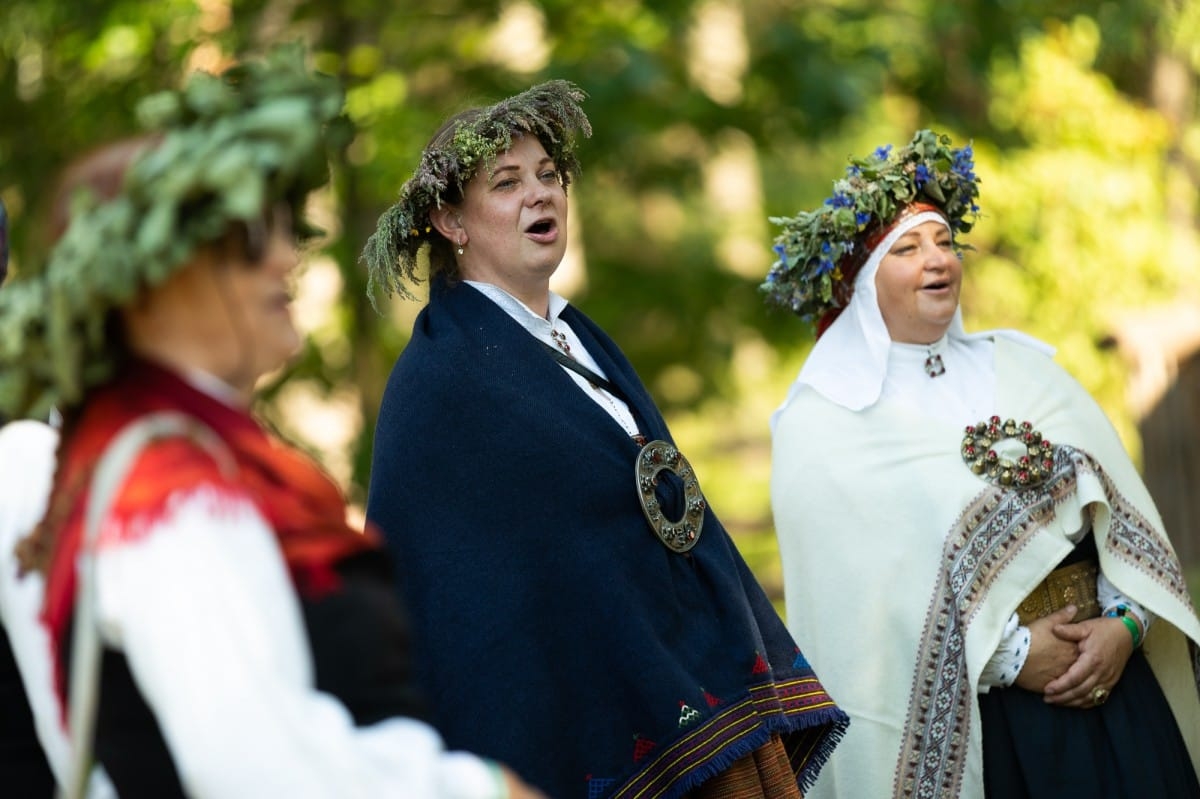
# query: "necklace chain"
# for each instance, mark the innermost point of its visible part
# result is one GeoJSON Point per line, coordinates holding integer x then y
{"type": "Point", "coordinates": [560, 341]}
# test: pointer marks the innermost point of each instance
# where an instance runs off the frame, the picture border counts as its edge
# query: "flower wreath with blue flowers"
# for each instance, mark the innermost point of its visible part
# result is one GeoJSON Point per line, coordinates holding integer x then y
{"type": "Point", "coordinates": [817, 250]}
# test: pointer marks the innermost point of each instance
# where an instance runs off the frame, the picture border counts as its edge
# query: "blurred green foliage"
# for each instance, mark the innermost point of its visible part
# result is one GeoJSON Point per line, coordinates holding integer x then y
{"type": "Point", "coordinates": [710, 115]}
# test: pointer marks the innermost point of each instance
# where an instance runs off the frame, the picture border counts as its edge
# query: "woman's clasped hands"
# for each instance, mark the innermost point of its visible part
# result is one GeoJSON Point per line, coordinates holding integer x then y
{"type": "Point", "coordinates": [1075, 664]}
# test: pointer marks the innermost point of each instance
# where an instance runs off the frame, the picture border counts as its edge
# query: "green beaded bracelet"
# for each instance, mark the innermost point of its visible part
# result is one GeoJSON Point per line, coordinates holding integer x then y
{"type": "Point", "coordinates": [1119, 612]}
{"type": "Point", "coordinates": [1133, 630]}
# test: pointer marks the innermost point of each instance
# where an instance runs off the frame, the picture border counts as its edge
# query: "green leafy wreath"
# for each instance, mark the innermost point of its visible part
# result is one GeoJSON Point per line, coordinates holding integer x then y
{"type": "Point", "coordinates": [815, 248]}
{"type": "Point", "coordinates": [551, 111]}
{"type": "Point", "coordinates": [223, 150]}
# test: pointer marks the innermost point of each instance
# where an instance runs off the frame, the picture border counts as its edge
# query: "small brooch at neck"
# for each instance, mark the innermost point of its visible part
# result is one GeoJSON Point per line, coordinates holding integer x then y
{"type": "Point", "coordinates": [934, 366]}
{"type": "Point", "coordinates": [560, 341]}
{"type": "Point", "coordinates": [933, 363]}
{"type": "Point", "coordinates": [1007, 454]}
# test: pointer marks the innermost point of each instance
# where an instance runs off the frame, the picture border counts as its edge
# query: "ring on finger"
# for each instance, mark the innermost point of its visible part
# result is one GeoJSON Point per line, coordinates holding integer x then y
{"type": "Point", "coordinates": [1099, 695]}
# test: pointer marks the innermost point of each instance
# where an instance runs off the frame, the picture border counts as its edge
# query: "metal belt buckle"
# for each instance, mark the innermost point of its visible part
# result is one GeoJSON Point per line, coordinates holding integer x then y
{"type": "Point", "coordinates": [1074, 584]}
{"type": "Point", "coordinates": [681, 535]}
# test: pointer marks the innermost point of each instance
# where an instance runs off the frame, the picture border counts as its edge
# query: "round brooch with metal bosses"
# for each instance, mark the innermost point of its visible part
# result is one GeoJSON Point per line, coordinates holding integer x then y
{"type": "Point", "coordinates": [657, 456]}
{"type": "Point", "coordinates": [1007, 454]}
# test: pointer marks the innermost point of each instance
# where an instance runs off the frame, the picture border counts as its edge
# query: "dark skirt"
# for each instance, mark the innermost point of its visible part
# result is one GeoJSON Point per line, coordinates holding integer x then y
{"type": "Point", "coordinates": [23, 769]}
{"type": "Point", "coordinates": [1128, 748]}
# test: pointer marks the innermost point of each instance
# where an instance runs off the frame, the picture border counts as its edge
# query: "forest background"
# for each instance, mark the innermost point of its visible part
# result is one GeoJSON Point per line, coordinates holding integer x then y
{"type": "Point", "coordinates": [710, 116]}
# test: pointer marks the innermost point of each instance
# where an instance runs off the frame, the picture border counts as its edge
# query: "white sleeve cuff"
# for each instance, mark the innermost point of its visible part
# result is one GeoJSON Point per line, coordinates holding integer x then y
{"type": "Point", "coordinates": [1008, 659]}
{"type": "Point", "coordinates": [465, 776]}
{"type": "Point", "coordinates": [1109, 598]}
{"type": "Point", "coordinates": [418, 748]}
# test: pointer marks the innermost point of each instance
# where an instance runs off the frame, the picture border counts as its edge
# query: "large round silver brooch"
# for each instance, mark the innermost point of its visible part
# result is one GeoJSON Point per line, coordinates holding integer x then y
{"type": "Point", "coordinates": [681, 535]}
{"type": "Point", "coordinates": [1007, 454]}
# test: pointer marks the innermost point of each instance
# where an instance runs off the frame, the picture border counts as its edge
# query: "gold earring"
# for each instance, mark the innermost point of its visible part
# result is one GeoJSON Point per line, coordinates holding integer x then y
{"type": "Point", "coordinates": [460, 247]}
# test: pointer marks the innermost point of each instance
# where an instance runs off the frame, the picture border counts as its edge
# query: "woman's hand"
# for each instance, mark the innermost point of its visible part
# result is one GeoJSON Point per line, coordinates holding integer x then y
{"type": "Point", "coordinates": [1104, 646]}
{"type": "Point", "coordinates": [518, 788]}
{"type": "Point", "coordinates": [1050, 656]}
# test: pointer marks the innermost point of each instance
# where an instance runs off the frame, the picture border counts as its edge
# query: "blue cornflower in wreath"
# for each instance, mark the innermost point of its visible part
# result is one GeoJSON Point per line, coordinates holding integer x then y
{"type": "Point", "coordinates": [818, 252]}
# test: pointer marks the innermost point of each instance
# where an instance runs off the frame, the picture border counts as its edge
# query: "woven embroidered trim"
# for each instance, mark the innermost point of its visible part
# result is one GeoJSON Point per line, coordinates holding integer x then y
{"type": "Point", "coordinates": [756, 715]}
{"type": "Point", "coordinates": [597, 787]}
{"type": "Point", "coordinates": [991, 531]}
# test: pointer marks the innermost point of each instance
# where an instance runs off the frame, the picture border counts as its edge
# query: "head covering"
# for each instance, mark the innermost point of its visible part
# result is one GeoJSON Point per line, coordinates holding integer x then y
{"type": "Point", "coordinates": [819, 251]}
{"type": "Point", "coordinates": [849, 361]}
{"type": "Point", "coordinates": [472, 139]}
{"type": "Point", "coordinates": [220, 152]}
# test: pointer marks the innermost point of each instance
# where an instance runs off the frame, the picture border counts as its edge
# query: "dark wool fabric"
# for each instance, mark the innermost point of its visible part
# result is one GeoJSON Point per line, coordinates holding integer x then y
{"type": "Point", "coordinates": [552, 630]}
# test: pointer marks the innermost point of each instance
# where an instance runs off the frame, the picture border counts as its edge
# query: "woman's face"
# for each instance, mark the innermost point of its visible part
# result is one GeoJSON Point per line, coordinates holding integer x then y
{"type": "Point", "coordinates": [223, 313]}
{"type": "Point", "coordinates": [918, 284]}
{"type": "Point", "coordinates": [512, 222]}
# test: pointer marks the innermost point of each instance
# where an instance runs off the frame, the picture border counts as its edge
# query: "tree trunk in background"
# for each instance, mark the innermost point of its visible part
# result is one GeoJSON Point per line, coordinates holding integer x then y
{"type": "Point", "coordinates": [1170, 429]}
{"type": "Point", "coordinates": [1171, 460]}
{"type": "Point", "coordinates": [368, 366]}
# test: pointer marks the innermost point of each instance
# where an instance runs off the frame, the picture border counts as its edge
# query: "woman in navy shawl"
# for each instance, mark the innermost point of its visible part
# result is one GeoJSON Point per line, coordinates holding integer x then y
{"type": "Point", "coordinates": [579, 611]}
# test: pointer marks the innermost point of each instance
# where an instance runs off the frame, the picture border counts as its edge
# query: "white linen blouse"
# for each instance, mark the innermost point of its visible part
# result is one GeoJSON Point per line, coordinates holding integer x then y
{"type": "Point", "coordinates": [205, 612]}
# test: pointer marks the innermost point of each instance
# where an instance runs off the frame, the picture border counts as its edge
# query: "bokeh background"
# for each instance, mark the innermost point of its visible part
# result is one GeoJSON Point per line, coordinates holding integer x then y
{"type": "Point", "coordinates": [710, 117]}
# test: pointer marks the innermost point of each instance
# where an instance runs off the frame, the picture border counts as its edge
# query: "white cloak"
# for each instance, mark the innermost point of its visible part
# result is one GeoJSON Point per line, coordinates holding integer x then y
{"type": "Point", "coordinates": [901, 567]}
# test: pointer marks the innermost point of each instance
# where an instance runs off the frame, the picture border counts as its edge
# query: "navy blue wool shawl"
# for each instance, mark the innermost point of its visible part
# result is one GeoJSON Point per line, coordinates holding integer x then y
{"type": "Point", "coordinates": [553, 632]}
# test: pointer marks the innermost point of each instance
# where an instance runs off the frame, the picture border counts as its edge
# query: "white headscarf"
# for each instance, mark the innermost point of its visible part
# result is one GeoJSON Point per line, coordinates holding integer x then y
{"type": "Point", "coordinates": [848, 363]}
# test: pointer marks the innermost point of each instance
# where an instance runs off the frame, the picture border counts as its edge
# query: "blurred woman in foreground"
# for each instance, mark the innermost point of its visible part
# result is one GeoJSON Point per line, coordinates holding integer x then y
{"type": "Point", "coordinates": [251, 643]}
